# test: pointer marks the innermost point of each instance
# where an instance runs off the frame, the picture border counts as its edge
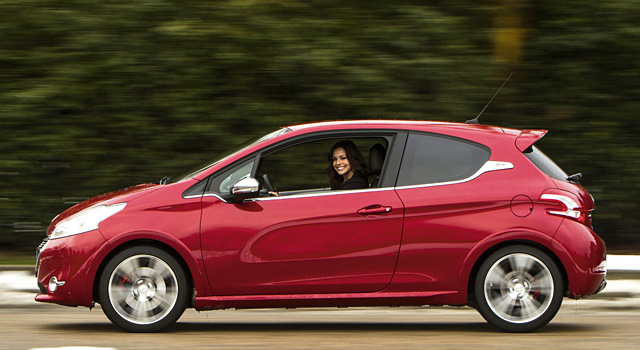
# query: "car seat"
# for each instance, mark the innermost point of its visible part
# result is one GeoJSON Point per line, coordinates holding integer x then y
{"type": "Point", "coordinates": [376, 160]}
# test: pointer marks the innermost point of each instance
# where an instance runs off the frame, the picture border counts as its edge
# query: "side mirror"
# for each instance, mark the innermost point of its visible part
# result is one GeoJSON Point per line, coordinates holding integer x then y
{"type": "Point", "coordinates": [245, 188]}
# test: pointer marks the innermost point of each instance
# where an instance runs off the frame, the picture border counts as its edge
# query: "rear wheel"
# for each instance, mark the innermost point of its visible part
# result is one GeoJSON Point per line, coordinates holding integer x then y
{"type": "Point", "coordinates": [143, 289]}
{"type": "Point", "coordinates": [519, 289]}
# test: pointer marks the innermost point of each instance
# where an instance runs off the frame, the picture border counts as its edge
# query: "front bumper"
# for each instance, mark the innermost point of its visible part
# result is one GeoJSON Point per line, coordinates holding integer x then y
{"type": "Point", "coordinates": [69, 260]}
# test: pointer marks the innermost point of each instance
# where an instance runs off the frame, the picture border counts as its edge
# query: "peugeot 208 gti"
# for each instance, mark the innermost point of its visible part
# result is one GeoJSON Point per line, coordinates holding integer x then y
{"type": "Point", "coordinates": [453, 214]}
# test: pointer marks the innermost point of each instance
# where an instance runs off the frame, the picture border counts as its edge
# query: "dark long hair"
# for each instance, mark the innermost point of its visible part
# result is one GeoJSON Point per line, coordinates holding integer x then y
{"type": "Point", "coordinates": [355, 159]}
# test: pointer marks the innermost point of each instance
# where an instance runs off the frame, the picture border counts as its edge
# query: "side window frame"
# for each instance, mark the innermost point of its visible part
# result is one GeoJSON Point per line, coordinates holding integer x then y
{"type": "Point", "coordinates": [396, 140]}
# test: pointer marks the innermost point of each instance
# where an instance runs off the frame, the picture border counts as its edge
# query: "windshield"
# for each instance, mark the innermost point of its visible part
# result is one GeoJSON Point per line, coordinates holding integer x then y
{"type": "Point", "coordinates": [231, 152]}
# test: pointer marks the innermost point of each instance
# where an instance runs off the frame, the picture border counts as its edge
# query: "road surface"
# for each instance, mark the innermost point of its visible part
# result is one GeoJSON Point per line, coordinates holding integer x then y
{"type": "Point", "coordinates": [586, 324]}
{"type": "Point", "coordinates": [609, 320]}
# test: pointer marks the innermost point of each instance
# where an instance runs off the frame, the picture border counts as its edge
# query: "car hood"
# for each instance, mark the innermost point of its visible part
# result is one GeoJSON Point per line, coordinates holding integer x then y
{"type": "Point", "coordinates": [123, 195]}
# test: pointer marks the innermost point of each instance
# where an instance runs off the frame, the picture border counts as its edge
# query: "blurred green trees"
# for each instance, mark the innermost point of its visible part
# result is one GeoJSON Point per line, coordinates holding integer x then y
{"type": "Point", "coordinates": [100, 95]}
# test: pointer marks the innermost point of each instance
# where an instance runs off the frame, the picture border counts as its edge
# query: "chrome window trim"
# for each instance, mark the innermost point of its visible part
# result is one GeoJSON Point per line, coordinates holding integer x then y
{"type": "Point", "coordinates": [321, 194]}
{"type": "Point", "coordinates": [195, 196]}
{"type": "Point", "coordinates": [488, 166]}
{"type": "Point", "coordinates": [324, 193]}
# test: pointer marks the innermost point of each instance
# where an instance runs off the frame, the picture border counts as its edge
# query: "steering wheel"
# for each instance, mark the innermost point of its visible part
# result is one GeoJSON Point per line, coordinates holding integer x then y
{"type": "Point", "coordinates": [268, 183]}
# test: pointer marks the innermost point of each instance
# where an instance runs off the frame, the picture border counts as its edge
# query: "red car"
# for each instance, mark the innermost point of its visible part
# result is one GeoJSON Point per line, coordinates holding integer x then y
{"type": "Point", "coordinates": [335, 214]}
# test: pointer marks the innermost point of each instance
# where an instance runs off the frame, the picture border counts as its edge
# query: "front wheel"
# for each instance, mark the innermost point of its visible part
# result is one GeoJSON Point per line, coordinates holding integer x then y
{"type": "Point", "coordinates": [518, 289]}
{"type": "Point", "coordinates": [143, 289]}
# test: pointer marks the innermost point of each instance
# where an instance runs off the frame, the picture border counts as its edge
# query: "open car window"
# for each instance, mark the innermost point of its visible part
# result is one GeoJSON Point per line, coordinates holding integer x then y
{"type": "Point", "coordinates": [304, 167]}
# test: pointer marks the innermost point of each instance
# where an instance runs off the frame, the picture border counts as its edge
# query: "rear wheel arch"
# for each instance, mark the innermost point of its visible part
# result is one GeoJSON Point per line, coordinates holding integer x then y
{"type": "Point", "coordinates": [487, 253]}
{"type": "Point", "coordinates": [518, 287]}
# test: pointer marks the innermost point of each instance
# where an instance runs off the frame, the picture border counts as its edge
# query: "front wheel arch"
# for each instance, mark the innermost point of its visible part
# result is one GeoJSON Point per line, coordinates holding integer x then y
{"type": "Point", "coordinates": [143, 288]}
{"type": "Point", "coordinates": [145, 242]}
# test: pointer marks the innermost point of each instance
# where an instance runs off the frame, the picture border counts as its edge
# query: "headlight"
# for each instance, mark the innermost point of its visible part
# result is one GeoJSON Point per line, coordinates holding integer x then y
{"type": "Point", "coordinates": [85, 220]}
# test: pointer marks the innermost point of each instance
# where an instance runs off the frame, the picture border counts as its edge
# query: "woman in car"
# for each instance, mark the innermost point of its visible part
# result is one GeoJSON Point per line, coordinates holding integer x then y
{"type": "Point", "coordinates": [347, 169]}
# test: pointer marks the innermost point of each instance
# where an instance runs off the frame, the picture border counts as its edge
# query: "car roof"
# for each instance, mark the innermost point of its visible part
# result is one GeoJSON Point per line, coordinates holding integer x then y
{"type": "Point", "coordinates": [420, 125]}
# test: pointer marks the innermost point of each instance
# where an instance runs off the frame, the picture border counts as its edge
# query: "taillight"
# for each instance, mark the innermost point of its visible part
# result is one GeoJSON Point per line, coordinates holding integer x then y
{"type": "Point", "coordinates": [568, 206]}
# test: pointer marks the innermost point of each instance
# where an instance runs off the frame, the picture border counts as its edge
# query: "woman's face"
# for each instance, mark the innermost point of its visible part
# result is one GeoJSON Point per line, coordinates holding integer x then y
{"type": "Point", "coordinates": [341, 162]}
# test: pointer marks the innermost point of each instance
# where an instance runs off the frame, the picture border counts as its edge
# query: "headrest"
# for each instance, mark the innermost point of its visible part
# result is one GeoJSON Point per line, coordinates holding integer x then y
{"type": "Point", "coordinates": [376, 158]}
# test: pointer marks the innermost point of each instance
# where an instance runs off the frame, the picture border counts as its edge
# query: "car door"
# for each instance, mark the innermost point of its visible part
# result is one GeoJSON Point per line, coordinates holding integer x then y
{"type": "Point", "coordinates": [307, 241]}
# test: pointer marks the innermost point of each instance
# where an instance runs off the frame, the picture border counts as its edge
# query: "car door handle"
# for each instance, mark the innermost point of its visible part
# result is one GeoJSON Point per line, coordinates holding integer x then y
{"type": "Point", "coordinates": [375, 210]}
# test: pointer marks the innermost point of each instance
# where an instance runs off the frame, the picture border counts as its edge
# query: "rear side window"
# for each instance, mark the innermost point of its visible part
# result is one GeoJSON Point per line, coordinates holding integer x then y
{"type": "Point", "coordinates": [545, 164]}
{"type": "Point", "coordinates": [431, 158]}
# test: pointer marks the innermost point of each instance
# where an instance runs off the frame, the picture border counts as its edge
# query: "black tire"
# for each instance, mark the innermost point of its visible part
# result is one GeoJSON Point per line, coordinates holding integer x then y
{"type": "Point", "coordinates": [518, 289]}
{"type": "Point", "coordinates": [143, 289]}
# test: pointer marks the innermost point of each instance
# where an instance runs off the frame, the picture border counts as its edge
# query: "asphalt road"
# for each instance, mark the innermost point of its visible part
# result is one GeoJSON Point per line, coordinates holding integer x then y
{"type": "Point", "coordinates": [611, 323]}
{"type": "Point", "coordinates": [609, 320]}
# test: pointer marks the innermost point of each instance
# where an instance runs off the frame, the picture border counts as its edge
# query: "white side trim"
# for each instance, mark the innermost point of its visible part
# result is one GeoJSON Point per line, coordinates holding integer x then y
{"type": "Point", "coordinates": [490, 165]}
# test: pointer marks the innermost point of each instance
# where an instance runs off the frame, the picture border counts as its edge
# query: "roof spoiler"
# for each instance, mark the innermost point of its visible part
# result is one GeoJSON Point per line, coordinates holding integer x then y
{"type": "Point", "coordinates": [528, 138]}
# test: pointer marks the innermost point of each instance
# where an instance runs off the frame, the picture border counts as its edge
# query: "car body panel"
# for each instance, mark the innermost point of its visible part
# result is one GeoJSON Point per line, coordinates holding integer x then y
{"type": "Point", "coordinates": [331, 300]}
{"type": "Point", "coordinates": [439, 237]}
{"type": "Point", "coordinates": [302, 244]}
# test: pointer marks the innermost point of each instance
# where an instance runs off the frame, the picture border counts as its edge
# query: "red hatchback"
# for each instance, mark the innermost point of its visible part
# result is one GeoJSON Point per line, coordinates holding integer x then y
{"type": "Point", "coordinates": [335, 214]}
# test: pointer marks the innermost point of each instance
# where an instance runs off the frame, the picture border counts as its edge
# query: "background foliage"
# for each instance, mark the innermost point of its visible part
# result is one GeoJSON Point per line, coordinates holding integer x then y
{"type": "Point", "coordinates": [97, 95]}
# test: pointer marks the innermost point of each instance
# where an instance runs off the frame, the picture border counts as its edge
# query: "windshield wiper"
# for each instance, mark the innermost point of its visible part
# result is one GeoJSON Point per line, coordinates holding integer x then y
{"type": "Point", "coordinates": [165, 180]}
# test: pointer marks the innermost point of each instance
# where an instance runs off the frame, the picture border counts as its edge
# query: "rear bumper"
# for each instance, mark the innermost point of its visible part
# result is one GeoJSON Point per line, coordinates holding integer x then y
{"type": "Point", "coordinates": [602, 286]}
{"type": "Point", "coordinates": [583, 255]}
